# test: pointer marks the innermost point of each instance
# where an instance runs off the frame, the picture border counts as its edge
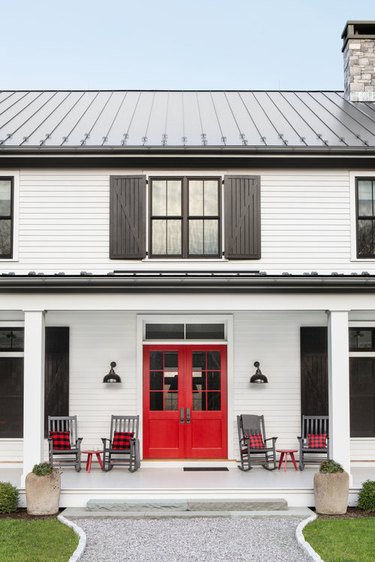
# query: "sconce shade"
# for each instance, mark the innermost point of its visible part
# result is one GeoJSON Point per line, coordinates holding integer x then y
{"type": "Point", "coordinates": [112, 376]}
{"type": "Point", "coordinates": [258, 377]}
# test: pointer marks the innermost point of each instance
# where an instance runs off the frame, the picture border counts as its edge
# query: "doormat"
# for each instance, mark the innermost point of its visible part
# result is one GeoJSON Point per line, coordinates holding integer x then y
{"type": "Point", "coordinates": [206, 469]}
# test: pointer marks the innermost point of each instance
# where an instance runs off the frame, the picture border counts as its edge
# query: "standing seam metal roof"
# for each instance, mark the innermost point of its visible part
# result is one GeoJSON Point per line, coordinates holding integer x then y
{"type": "Point", "coordinates": [129, 118]}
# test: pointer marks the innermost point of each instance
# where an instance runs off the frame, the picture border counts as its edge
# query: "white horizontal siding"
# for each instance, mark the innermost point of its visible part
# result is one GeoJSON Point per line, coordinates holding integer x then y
{"type": "Point", "coordinates": [273, 339]}
{"type": "Point", "coordinates": [64, 223]}
{"type": "Point", "coordinates": [362, 449]}
{"type": "Point", "coordinates": [11, 450]}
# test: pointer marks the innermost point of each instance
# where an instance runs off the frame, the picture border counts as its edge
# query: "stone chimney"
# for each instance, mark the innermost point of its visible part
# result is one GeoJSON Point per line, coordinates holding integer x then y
{"type": "Point", "coordinates": [359, 60]}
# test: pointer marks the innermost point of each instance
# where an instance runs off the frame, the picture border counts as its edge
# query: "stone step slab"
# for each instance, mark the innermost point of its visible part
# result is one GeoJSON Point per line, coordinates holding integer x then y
{"type": "Point", "coordinates": [266, 504]}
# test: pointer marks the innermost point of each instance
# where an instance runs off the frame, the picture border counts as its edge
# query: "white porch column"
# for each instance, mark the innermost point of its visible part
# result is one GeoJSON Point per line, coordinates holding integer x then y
{"type": "Point", "coordinates": [33, 391]}
{"type": "Point", "coordinates": [338, 388]}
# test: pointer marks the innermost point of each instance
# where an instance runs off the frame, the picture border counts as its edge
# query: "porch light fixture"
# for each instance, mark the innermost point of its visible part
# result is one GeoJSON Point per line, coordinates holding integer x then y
{"type": "Point", "coordinates": [258, 377]}
{"type": "Point", "coordinates": [112, 376]}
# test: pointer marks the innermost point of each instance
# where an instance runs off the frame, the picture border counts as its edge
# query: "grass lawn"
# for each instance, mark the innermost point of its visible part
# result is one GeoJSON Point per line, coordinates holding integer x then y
{"type": "Point", "coordinates": [343, 540]}
{"type": "Point", "coordinates": [39, 540]}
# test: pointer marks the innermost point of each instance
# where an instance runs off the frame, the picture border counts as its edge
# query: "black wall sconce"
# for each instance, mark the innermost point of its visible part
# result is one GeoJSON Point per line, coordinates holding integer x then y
{"type": "Point", "coordinates": [112, 376]}
{"type": "Point", "coordinates": [258, 376]}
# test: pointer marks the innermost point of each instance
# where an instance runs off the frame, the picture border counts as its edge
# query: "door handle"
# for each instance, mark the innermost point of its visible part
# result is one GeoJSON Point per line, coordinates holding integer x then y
{"type": "Point", "coordinates": [187, 415]}
{"type": "Point", "coordinates": [182, 415]}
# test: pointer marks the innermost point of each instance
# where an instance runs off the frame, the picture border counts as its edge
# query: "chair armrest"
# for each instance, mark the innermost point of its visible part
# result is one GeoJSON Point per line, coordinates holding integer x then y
{"type": "Point", "coordinates": [271, 439]}
{"type": "Point", "coordinates": [105, 440]}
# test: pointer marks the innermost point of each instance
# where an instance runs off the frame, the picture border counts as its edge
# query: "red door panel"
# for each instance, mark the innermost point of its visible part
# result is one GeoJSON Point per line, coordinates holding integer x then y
{"type": "Point", "coordinates": [185, 401]}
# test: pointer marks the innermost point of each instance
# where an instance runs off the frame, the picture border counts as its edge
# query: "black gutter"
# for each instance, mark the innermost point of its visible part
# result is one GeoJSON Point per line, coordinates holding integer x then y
{"type": "Point", "coordinates": [180, 150]}
{"type": "Point", "coordinates": [180, 283]}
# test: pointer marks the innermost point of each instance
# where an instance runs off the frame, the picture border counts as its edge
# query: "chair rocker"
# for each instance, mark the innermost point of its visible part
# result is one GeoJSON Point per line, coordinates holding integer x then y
{"type": "Point", "coordinates": [122, 448]}
{"type": "Point", "coordinates": [315, 426]}
{"type": "Point", "coordinates": [265, 454]}
{"type": "Point", "coordinates": [63, 444]}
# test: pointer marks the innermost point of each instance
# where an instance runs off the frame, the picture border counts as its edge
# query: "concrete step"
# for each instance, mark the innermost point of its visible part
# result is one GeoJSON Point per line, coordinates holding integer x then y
{"type": "Point", "coordinates": [118, 506]}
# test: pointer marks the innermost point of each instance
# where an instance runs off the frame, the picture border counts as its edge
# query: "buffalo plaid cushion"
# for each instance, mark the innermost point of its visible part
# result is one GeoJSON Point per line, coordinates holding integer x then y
{"type": "Point", "coordinates": [256, 441]}
{"type": "Point", "coordinates": [318, 441]}
{"type": "Point", "coordinates": [60, 440]}
{"type": "Point", "coordinates": [121, 439]}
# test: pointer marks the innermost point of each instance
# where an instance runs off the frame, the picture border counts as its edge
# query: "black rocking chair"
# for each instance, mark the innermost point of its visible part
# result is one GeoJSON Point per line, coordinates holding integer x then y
{"type": "Point", "coordinates": [254, 425]}
{"type": "Point", "coordinates": [64, 457]}
{"type": "Point", "coordinates": [316, 426]}
{"type": "Point", "coordinates": [129, 454]}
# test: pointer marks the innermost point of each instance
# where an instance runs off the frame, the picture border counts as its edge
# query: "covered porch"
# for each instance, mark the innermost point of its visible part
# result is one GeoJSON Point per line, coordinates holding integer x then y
{"type": "Point", "coordinates": [172, 483]}
{"type": "Point", "coordinates": [258, 327]}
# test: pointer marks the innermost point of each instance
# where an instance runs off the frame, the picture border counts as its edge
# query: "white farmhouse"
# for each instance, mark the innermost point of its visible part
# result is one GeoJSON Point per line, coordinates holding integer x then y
{"type": "Point", "coordinates": [186, 235]}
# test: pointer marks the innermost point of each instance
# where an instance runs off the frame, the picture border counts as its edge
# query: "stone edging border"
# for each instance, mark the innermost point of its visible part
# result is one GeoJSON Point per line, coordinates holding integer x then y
{"type": "Point", "coordinates": [78, 553]}
{"type": "Point", "coordinates": [303, 543]}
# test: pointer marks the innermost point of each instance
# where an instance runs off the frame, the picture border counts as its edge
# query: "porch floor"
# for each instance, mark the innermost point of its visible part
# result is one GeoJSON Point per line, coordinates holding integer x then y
{"type": "Point", "coordinates": [173, 483]}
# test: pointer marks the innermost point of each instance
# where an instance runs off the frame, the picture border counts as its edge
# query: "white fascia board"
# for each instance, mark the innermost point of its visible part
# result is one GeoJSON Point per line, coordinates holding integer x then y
{"type": "Point", "coordinates": [197, 303]}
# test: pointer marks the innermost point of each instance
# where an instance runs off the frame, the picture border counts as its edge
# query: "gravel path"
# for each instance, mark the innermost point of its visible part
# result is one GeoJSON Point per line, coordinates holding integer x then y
{"type": "Point", "coordinates": [192, 540]}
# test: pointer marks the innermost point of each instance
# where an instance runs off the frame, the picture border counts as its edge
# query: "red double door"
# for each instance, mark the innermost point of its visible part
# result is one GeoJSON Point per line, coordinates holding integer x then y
{"type": "Point", "coordinates": [185, 401]}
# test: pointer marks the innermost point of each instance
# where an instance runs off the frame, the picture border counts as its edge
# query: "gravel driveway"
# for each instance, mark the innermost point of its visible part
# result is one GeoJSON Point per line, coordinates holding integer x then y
{"type": "Point", "coordinates": [195, 539]}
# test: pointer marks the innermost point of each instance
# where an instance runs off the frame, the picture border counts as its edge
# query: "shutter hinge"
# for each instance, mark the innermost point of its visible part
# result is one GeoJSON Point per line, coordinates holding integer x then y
{"type": "Point", "coordinates": [146, 182]}
{"type": "Point", "coordinates": [222, 182]}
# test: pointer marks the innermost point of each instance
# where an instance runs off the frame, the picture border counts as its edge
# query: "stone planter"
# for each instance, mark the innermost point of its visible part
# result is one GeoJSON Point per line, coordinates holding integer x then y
{"type": "Point", "coordinates": [43, 493]}
{"type": "Point", "coordinates": [331, 493]}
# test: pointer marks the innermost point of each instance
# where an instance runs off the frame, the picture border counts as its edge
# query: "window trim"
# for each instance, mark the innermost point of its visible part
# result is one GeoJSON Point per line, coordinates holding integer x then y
{"type": "Point", "coordinates": [358, 217]}
{"type": "Point", "coordinates": [185, 217]}
{"type": "Point", "coordinates": [17, 354]}
{"type": "Point", "coordinates": [10, 217]}
{"type": "Point", "coordinates": [353, 177]}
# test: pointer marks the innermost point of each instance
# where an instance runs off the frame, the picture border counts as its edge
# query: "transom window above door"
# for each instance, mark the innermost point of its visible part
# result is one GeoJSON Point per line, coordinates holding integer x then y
{"type": "Point", "coordinates": [185, 217]}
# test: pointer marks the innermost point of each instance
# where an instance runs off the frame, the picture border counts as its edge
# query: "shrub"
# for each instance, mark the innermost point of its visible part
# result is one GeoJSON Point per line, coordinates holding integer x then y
{"type": "Point", "coordinates": [366, 498]}
{"type": "Point", "coordinates": [8, 497]}
{"type": "Point", "coordinates": [330, 467]}
{"type": "Point", "coordinates": [42, 469]}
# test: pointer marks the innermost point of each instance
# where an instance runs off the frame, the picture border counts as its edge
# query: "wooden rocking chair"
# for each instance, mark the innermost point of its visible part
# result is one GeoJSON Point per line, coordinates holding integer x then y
{"type": "Point", "coordinates": [63, 444]}
{"type": "Point", "coordinates": [253, 443]}
{"type": "Point", "coordinates": [122, 447]}
{"type": "Point", "coordinates": [313, 439]}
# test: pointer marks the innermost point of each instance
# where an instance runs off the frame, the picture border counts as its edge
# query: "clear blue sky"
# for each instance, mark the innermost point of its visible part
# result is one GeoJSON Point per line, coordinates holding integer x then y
{"type": "Point", "coordinates": [167, 44]}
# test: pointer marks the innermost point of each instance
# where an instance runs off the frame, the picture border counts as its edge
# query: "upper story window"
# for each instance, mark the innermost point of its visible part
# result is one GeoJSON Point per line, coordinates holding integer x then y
{"type": "Point", "coordinates": [6, 217]}
{"type": "Point", "coordinates": [185, 217]}
{"type": "Point", "coordinates": [365, 194]}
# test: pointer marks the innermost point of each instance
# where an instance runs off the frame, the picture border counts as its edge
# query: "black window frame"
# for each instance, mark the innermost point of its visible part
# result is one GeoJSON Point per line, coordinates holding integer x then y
{"type": "Point", "coordinates": [185, 218]}
{"type": "Point", "coordinates": [363, 217]}
{"type": "Point", "coordinates": [10, 217]}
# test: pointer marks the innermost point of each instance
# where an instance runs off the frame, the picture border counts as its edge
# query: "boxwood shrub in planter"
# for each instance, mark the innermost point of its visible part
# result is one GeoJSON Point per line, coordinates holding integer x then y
{"type": "Point", "coordinates": [43, 487]}
{"type": "Point", "coordinates": [8, 497]}
{"type": "Point", "coordinates": [331, 489]}
{"type": "Point", "coordinates": [366, 498]}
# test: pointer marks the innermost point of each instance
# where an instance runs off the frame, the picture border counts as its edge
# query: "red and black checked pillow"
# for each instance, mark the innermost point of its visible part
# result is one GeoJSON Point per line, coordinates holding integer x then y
{"type": "Point", "coordinates": [318, 441]}
{"type": "Point", "coordinates": [60, 440]}
{"type": "Point", "coordinates": [121, 440]}
{"type": "Point", "coordinates": [256, 441]}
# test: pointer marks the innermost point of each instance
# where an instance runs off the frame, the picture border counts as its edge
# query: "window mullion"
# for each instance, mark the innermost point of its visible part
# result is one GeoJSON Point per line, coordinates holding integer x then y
{"type": "Point", "coordinates": [185, 222]}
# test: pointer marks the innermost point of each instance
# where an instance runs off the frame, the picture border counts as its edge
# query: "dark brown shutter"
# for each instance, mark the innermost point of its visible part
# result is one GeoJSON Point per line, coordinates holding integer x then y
{"type": "Point", "coordinates": [242, 217]}
{"type": "Point", "coordinates": [56, 386]}
{"type": "Point", "coordinates": [127, 217]}
{"type": "Point", "coordinates": [314, 371]}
